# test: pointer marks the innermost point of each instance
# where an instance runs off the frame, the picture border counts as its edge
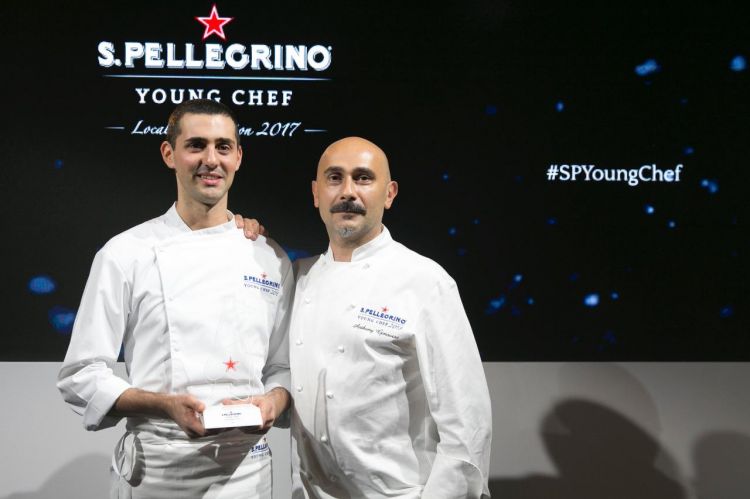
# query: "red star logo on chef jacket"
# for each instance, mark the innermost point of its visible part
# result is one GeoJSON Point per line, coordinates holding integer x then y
{"type": "Point", "coordinates": [214, 24]}
{"type": "Point", "coordinates": [263, 275]}
{"type": "Point", "coordinates": [384, 309]}
{"type": "Point", "coordinates": [231, 363]}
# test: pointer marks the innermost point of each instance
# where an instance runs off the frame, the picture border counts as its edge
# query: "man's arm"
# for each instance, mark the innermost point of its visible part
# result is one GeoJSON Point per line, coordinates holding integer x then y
{"type": "Point", "coordinates": [457, 395]}
{"type": "Point", "coordinates": [86, 379]}
{"type": "Point", "coordinates": [182, 409]}
{"type": "Point", "coordinates": [276, 373]}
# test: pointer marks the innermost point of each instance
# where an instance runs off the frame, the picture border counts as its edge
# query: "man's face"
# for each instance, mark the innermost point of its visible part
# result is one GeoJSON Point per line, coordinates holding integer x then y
{"type": "Point", "coordinates": [352, 189]}
{"type": "Point", "coordinates": [205, 156]}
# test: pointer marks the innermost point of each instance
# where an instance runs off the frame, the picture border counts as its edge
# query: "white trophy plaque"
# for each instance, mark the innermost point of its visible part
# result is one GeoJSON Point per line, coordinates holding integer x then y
{"type": "Point", "coordinates": [231, 416]}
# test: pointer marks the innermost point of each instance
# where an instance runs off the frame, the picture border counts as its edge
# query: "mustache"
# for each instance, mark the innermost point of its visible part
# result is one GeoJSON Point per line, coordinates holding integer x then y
{"type": "Point", "coordinates": [348, 207]}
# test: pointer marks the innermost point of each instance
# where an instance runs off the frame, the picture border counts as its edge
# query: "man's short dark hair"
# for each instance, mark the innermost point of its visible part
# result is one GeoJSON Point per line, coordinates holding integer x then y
{"type": "Point", "coordinates": [197, 106]}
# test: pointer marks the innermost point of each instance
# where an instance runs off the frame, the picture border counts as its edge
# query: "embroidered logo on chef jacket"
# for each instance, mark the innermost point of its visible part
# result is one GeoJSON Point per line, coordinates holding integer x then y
{"type": "Point", "coordinates": [379, 320]}
{"type": "Point", "coordinates": [260, 449]}
{"type": "Point", "coordinates": [261, 283]}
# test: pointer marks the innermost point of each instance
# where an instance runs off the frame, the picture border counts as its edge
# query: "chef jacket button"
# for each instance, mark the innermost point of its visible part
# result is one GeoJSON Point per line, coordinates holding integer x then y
{"type": "Point", "coordinates": [298, 342]}
{"type": "Point", "coordinates": [329, 394]}
{"type": "Point", "coordinates": [299, 388]}
{"type": "Point", "coordinates": [366, 266]}
{"type": "Point", "coordinates": [323, 438]}
{"type": "Point", "coordinates": [307, 300]}
{"type": "Point", "coordinates": [352, 305]}
{"type": "Point", "coordinates": [341, 348]}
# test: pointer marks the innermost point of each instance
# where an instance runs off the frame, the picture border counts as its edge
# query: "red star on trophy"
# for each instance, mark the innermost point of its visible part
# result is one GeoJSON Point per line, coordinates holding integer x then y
{"type": "Point", "coordinates": [384, 309]}
{"type": "Point", "coordinates": [231, 363]}
{"type": "Point", "coordinates": [214, 24]}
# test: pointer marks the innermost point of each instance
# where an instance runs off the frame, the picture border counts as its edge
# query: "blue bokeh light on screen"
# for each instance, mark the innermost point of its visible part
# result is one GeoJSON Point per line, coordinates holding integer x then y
{"type": "Point", "coordinates": [560, 106]}
{"type": "Point", "coordinates": [530, 301]}
{"type": "Point", "coordinates": [688, 150]}
{"type": "Point", "coordinates": [738, 63]}
{"type": "Point", "coordinates": [495, 305]}
{"type": "Point", "coordinates": [711, 185]}
{"type": "Point", "coordinates": [649, 209]}
{"type": "Point", "coordinates": [59, 164]}
{"type": "Point", "coordinates": [42, 285]}
{"type": "Point", "coordinates": [61, 319]}
{"type": "Point", "coordinates": [615, 295]}
{"type": "Point", "coordinates": [726, 312]}
{"type": "Point", "coordinates": [671, 224]}
{"type": "Point", "coordinates": [648, 67]}
{"type": "Point", "coordinates": [490, 110]}
{"type": "Point", "coordinates": [591, 300]}
{"type": "Point", "coordinates": [445, 177]}
{"type": "Point", "coordinates": [452, 231]}
{"type": "Point", "coordinates": [552, 221]}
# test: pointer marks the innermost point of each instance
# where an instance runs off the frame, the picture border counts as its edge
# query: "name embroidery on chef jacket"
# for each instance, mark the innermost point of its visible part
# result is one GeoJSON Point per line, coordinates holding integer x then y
{"type": "Point", "coordinates": [261, 283]}
{"type": "Point", "coordinates": [379, 320]}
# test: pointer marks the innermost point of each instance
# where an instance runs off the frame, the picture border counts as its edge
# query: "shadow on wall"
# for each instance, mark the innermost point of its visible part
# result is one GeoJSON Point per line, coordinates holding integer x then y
{"type": "Point", "coordinates": [87, 476]}
{"type": "Point", "coordinates": [599, 453]}
{"type": "Point", "coordinates": [720, 460]}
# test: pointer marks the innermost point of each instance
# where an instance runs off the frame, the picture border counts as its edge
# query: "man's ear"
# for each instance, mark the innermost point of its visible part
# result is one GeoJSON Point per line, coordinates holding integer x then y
{"type": "Point", "coordinates": [390, 193]}
{"type": "Point", "coordinates": [315, 193]}
{"type": "Point", "coordinates": [167, 154]}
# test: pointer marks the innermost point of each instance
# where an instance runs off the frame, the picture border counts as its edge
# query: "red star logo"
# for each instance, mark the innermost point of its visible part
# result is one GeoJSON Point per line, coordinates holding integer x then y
{"type": "Point", "coordinates": [231, 363]}
{"type": "Point", "coordinates": [214, 24]}
{"type": "Point", "coordinates": [384, 309]}
{"type": "Point", "coordinates": [263, 275]}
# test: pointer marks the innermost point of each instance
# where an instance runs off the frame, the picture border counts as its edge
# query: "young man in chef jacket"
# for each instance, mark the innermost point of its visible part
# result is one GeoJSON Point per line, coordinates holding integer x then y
{"type": "Point", "coordinates": [201, 314]}
{"type": "Point", "coordinates": [390, 397]}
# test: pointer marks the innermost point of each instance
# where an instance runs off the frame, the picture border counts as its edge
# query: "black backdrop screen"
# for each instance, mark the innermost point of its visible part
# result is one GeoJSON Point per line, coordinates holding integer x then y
{"type": "Point", "coordinates": [581, 171]}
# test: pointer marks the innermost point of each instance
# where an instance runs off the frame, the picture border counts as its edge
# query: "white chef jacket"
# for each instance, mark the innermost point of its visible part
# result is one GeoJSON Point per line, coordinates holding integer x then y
{"type": "Point", "coordinates": [203, 312]}
{"type": "Point", "coordinates": [390, 397]}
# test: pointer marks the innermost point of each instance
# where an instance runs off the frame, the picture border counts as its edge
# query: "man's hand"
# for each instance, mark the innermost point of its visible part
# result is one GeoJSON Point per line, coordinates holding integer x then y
{"type": "Point", "coordinates": [183, 410]}
{"type": "Point", "coordinates": [251, 226]}
{"type": "Point", "coordinates": [271, 405]}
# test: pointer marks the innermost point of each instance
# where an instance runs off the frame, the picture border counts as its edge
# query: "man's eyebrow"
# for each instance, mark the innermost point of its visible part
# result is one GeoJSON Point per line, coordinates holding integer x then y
{"type": "Point", "coordinates": [363, 170]}
{"type": "Point", "coordinates": [203, 140]}
{"type": "Point", "coordinates": [333, 169]}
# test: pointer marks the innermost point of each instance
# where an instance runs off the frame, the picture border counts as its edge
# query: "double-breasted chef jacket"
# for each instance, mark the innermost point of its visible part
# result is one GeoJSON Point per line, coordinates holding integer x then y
{"type": "Point", "coordinates": [203, 312]}
{"type": "Point", "coordinates": [390, 397]}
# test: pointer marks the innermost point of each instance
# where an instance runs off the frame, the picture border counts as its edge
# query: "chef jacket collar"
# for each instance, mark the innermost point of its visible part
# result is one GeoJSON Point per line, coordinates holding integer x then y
{"type": "Point", "coordinates": [173, 219]}
{"type": "Point", "coordinates": [368, 249]}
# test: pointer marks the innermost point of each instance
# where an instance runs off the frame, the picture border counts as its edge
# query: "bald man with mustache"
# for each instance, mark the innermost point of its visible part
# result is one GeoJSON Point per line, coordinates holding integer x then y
{"type": "Point", "coordinates": [390, 398]}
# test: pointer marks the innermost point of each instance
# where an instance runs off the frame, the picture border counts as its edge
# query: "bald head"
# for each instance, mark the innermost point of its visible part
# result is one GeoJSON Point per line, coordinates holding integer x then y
{"type": "Point", "coordinates": [356, 148]}
{"type": "Point", "coordinates": [352, 189]}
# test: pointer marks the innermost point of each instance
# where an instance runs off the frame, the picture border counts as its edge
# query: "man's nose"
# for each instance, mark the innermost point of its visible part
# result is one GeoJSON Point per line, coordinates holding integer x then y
{"type": "Point", "coordinates": [347, 188]}
{"type": "Point", "coordinates": [211, 157]}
